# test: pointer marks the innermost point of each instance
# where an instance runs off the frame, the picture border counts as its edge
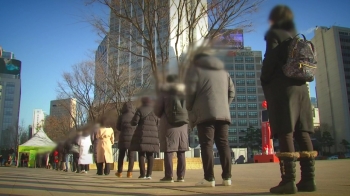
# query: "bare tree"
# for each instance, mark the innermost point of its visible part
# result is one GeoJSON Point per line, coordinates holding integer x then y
{"type": "Point", "coordinates": [79, 84]}
{"type": "Point", "coordinates": [157, 32]}
{"type": "Point", "coordinates": [120, 83]}
{"type": "Point", "coordinates": [23, 134]}
{"type": "Point", "coordinates": [57, 128]}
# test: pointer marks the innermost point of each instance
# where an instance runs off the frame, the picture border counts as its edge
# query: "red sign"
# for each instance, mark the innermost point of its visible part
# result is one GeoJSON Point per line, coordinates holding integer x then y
{"type": "Point", "coordinates": [231, 53]}
{"type": "Point", "coordinates": [264, 104]}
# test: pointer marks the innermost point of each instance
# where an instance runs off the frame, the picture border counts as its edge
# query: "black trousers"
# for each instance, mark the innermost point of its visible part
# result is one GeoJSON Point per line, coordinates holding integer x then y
{"type": "Point", "coordinates": [131, 159]}
{"type": "Point", "coordinates": [75, 162]}
{"type": "Point", "coordinates": [168, 164]}
{"type": "Point", "coordinates": [150, 160]}
{"type": "Point", "coordinates": [106, 170]}
{"type": "Point", "coordinates": [208, 133]}
{"type": "Point", "coordinates": [302, 138]}
{"type": "Point", "coordinates": [84, 167]}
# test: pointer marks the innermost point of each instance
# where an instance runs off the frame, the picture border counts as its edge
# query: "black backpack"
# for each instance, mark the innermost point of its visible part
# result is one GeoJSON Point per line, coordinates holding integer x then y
{"type": "Point", "coordinates": [175, 110]}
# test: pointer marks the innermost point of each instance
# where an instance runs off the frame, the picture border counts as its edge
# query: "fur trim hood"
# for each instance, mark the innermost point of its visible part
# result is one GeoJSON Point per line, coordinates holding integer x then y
{"type": "Point", "coordinates": [173, 88]}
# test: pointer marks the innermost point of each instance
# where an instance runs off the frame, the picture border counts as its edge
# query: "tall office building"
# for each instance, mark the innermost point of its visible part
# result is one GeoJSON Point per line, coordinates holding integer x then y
{"type": "Point", "coordinates": [119, 35]}
{"type": "Point", "coordinates": [244, 67]}
{"type": "Point", "coordinates": [64, 109]}
{"type": "Point", "coordinates": [101, 62]}
{"type": "Point", "coordinates": [10, 97]}
{"type": "Point", "coordinates": [38, 120]}
{"type": "Point", "coordinates": [333, 80]}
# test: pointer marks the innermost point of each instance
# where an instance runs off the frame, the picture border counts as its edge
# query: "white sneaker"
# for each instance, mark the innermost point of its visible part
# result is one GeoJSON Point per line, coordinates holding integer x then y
{"type": "Point", "coordinates": [206, 183]}
{"type": "Point", "coordinates": [82, 172]}
{"type": "Point", "coordinates": [227, 182]}
{"type": "Point", "coordinates": [148, 177]}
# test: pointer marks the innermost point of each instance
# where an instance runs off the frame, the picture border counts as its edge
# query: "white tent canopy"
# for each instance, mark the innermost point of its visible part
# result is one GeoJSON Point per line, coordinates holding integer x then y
{"type": "Point", "coordinates": [40, 139]}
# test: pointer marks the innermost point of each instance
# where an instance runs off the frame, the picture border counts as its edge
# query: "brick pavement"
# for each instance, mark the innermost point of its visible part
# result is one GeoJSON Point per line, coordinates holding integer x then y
{"type": "Point", "coordinates": [333, 178]}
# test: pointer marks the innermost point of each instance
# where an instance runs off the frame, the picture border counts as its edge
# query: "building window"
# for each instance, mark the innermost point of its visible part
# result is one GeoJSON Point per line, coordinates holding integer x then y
{"type": "Point", "coordinates": [242, 123]}
{"type": "Point", "coordinates": [253, 122]}
{"type": "Point", "coordinates": [232, 74]}
{"type": "Point", "coordinates": [233, 114]}
{"type": "Point", "coordinates": [241, 98]}
{"type": "Point", "coordinates": [249, 67]}
{"type": "Point", "coordinates": [241, 106]}
{"type": "Point", "coordinates": [232, 106]}
{"type": "Point", "coordinates": [232, 130]}
{"type": "Point", "coordinates": [249, 59]}
{"type": "Point", "coordinates": [232, 139]}
{"type": "Point", "coordinates": [250, 82]}
{"type": "Point", "coordinates": [240, 90]}
{"type": "Point", "coordinates": [252, 114]}
{"type": "Point", "coordinates": [239, 74]}
{"type": "Point", "coordinates": [233, 122]}
{"type": "Point", "coordinates": [242, 130]}
{"type": "Point", "coordinates": [250, 74]}
{"type": "Point", "coordinates": [240, 82]}
{"type": "Point", "coordinates": [239, 59]}
{"type": "Point", "coordinates": [251, 90]}
{"type": "Point", "coordinates": [251, 97]}
{"type": "Point", "coordinates": [239, 67]}
{"type": "Point", "coordinates": [252, 106]}
{"type": "Point", "coordinates": [242, 114]}
{"type": "Point", "coordinates": [229, 67]}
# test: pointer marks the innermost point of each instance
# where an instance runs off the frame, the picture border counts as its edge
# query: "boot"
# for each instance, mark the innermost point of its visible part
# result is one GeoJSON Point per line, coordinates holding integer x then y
{"type": "Point", "coordinates": [118, 174]}
{"type": "Point", "coordinates": [129, 174]}
{"type": "Point", "coordinates": [287, 167]}
{"type": "Point", "coordinates": [307, 167]}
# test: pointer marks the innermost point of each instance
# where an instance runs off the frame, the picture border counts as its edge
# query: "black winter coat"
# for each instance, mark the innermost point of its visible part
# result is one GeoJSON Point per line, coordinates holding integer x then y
{"type": "Point", "coordinates": [288, 100]}
{"type": "Point", "coordinates": [145, 138]}
{"type": "Point", "coordinates": [125, 127]}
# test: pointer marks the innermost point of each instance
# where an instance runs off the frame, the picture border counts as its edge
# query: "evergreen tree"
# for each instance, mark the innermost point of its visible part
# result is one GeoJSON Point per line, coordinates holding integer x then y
{"type": "Point", "coordinates": [327, 140]}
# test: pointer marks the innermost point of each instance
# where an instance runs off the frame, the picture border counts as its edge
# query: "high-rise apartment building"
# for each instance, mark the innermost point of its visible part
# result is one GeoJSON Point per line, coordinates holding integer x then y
{"type": "Point", "coordinates": [333, 80]}
{"type": "Point", "coordinates": [244, 67]}
{"type": "Point", "coordinates": [64, 109]}
{"type": "Point", "coordinates": [10, 97]}
{"type": "Point", "coordinates": [38, 120]}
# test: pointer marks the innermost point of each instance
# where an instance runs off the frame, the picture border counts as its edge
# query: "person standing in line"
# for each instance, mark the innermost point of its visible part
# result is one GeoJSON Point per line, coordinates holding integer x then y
{"type": "Point", "coordinates": [145, 139]}
{"type": "Point", "coordinates": [55, 155]}
{"type": "Point", "coordinates": [85, 152]}
{"type": "Point", "coordinates": [126, 133]}
{"type": "Point", "coordinates": [289, 106]}
{"type": "Point", "coordinates": [209, 93]}
{"type": "Point", "coordinates": [105, 140]}
{"type": "Point", "coordinates": [47, 156]}
{"type": "Point", "coordinates": [94, 141]}
{"type": "Point", "coordinates": [173, 130]}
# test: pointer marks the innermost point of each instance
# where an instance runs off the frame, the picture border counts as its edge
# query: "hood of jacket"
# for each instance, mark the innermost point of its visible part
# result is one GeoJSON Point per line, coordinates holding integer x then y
{"type": "Point", "coordinates": [209, 62]}
{"type": "Point", "coordinates": [128, 107]}
{"type": "Point", "coordinates": [173, 88]}
{"type": "Point", "coordinates": [146, 101]}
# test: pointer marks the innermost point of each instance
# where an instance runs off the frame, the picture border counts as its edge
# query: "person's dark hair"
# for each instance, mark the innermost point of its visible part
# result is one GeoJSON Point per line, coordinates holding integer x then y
{"type": "Point", "coordinates": [281, 13]}
{"type": "Point", "coordinates": [171, 78]}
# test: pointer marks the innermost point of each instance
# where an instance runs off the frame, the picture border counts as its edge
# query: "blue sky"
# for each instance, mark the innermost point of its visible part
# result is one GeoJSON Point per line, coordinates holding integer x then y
{"type": "Point", "coordinates": [49, 36]}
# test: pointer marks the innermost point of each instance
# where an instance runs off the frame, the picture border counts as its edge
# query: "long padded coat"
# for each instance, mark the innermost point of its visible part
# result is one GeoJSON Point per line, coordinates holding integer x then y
{"type": "Point", "coordinates": [288, 100]}
{"type": "Point", "coordinates": [145, 138]}
{"type": "Point", "coordinates": [172, 138]}
{"type": "Point", "coordinates": [105, 140]}
{"type": "Point", "coordinates": [124, 126]}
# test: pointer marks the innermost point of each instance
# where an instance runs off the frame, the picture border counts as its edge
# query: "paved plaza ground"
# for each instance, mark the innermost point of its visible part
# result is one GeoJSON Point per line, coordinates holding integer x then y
{"type": "Point", "coordinates": [333, 178]}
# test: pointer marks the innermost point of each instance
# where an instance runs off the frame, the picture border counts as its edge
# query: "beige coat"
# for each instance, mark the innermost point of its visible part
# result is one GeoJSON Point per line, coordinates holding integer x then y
{"type": "Point", "coordinates": [105, 137]}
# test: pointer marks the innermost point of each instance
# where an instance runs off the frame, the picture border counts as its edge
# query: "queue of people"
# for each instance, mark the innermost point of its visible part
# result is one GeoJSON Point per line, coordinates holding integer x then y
{"type": "Point", "coordinates": [162, 124]}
